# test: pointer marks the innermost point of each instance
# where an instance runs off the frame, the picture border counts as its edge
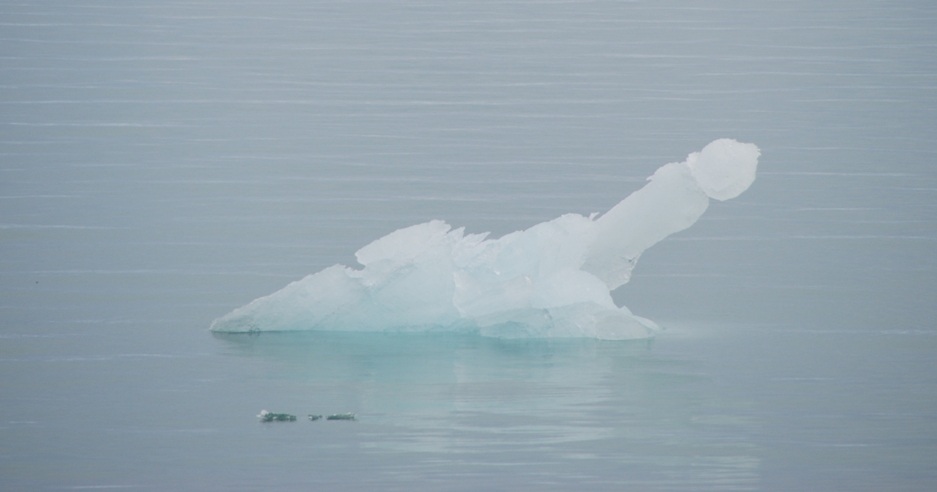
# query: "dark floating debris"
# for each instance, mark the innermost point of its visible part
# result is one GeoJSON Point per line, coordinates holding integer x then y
{"type": "Point", "coordinates": [266, 416]}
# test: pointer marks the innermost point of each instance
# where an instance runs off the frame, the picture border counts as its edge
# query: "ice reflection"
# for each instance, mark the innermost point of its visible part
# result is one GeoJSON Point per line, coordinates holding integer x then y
{"type": "Point", "coordinates": [554, 409]}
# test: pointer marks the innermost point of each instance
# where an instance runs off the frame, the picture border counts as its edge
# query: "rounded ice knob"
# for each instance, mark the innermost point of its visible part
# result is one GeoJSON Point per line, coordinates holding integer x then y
{"type": "Point", "coordinates": [724, 168]}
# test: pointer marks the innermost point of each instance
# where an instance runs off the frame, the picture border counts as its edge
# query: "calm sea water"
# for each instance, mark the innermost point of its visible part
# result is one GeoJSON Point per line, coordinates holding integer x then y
{"type": "Point", "coordinates": [162, 163]}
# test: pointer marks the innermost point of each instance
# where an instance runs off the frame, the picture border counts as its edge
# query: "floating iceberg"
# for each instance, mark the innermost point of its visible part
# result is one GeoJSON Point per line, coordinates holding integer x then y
{"type": "Point", "coordinates": [552, 280]}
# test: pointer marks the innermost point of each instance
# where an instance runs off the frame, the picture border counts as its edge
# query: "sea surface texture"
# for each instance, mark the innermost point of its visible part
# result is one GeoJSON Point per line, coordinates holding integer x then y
{"type": "Point", "coordinates": [163, 163]}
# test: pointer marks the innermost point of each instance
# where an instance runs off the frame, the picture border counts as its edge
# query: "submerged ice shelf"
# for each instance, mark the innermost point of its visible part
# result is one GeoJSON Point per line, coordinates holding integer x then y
{"type": "Point", "coordinates": [552, 280]}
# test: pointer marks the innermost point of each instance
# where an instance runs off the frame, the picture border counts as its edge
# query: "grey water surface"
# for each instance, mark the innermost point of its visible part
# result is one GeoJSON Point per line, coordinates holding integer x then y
{"type": "Point", "coordinates": [162, 163]}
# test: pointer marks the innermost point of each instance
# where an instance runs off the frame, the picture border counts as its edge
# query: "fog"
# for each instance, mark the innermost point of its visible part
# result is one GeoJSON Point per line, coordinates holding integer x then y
{"type": "Point", "coordinates": [162, 163]}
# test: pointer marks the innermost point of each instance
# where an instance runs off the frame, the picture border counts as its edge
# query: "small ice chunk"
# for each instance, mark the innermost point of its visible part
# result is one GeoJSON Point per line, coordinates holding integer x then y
{"type": "Point", "coordinates": [266, 416]}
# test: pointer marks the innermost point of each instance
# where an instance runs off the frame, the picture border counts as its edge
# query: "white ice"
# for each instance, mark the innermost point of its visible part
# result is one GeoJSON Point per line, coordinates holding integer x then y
{"type": "Point", "coordinates": [552, 280]}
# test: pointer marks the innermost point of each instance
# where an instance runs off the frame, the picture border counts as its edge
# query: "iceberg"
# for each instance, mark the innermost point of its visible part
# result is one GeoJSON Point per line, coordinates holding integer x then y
{"type": "Point", "coordinates": [553, 280]}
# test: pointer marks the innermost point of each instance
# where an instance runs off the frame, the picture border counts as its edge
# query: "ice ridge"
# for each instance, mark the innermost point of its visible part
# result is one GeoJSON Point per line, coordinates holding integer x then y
{"type": "Point", "coordinates": [551, 280]}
